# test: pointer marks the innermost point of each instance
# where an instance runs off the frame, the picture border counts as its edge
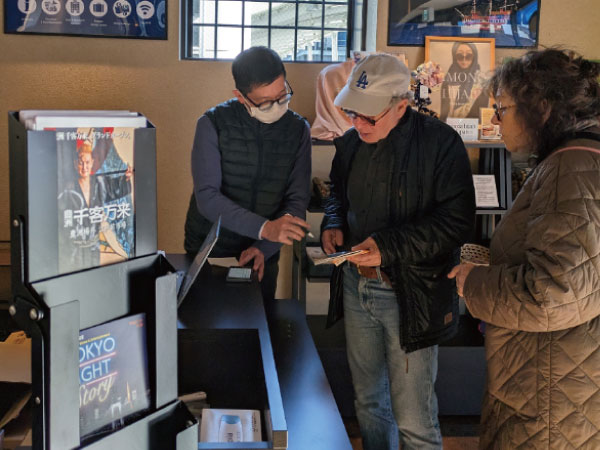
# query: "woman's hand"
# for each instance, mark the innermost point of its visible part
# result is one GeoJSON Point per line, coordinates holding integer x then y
{"type": "Point", "coordinates": [461, 272]}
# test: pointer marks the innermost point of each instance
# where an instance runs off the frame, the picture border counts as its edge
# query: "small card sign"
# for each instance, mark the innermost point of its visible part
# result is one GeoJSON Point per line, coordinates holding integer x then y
{"type": "Point", "coordinates": [486, 195]}
{"type": "Point", "coordinates": [467, 128]}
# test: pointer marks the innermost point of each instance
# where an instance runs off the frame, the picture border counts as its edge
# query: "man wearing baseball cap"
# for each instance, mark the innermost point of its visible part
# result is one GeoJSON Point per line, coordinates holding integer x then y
{"type": "Point", "coordinates": [402, 190]}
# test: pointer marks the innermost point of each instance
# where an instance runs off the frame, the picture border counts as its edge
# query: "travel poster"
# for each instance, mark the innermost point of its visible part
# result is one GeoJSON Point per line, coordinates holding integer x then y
{"type": "Point", "coordinates": [96, 218]}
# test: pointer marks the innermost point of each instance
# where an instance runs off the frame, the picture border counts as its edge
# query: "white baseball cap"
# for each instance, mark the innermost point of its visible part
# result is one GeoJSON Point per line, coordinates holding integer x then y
{"type": "Point", "coordinates": [374, 81]}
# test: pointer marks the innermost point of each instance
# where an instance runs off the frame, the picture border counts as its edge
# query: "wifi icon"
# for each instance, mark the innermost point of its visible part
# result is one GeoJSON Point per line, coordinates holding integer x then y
{"type": "Point", "coordinates": [145, 9]}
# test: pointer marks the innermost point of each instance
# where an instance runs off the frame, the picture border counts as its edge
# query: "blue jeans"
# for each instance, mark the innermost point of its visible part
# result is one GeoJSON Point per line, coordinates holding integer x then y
{"type": "Point", "coordinates": [395, 397]}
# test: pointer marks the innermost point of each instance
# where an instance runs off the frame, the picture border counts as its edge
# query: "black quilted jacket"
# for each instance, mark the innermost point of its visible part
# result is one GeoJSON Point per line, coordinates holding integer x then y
{"type": "Point", "coordinates": [432, 210]}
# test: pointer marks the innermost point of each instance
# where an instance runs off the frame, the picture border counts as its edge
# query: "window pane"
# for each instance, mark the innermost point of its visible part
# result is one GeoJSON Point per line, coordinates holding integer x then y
{"type": "Point", "coordinates": [204, 42]}
{"type": "Point", "coordinates": [229, 40]}
{"type": "Point", "coordinates": [310, 15]}
{"type": "Point", "coordinates": [283, 14]}
{"type": "Point", "coordinates": [303, 30]}
{"type": "Point", "coordinates": [256, 36]}
{"type": "Point", "coordinates": [334, 47]}
{"type": "Point", "coordinates": [230, 13]}
{"type": "Point", "coordinates": [309, 45]}
{"type": "Point", "coordinates": [256, 13]}
{"type": "Point", "coordinates": [336, 16]}
{"type": "Point", "coordinates": [357, 31]}
{"type": "Point", "coordinates": [204, 11]}
{"type": "Point", "coordinates": [282, 41]}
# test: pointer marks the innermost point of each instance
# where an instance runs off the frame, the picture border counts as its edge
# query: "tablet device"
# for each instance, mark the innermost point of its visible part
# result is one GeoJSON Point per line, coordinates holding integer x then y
{"type": "Point", "coordinates": [199, 260]}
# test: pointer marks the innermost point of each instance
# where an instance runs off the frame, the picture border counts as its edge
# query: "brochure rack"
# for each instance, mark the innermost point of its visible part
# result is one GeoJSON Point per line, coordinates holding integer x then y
{"type": "Point", "coordinates": [53, 308]}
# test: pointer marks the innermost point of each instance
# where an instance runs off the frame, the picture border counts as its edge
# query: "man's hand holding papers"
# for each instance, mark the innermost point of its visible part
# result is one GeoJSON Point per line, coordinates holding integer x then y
{"type": "Point", "coordinates": [318, 256]}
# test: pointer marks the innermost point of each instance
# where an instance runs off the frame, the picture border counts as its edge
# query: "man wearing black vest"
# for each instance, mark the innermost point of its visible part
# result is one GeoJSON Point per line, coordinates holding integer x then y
{"type": "Point", "coordinates": [251, 166]}
{"type": "Point", "coordinates": [402, 190]}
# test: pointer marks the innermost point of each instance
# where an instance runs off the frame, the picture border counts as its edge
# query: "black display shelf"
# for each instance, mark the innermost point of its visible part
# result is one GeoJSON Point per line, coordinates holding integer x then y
{"type": "Point", "coordinates": [52, 308]}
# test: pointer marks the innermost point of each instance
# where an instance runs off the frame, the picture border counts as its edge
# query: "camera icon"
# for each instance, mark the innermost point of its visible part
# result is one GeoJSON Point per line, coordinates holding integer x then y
{"type": "Point", "coordinates": [122, 9]}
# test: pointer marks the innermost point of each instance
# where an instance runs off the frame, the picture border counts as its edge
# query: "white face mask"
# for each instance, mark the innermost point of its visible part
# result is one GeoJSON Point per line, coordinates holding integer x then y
{"type": "Point", "coordinates": [273, 114]}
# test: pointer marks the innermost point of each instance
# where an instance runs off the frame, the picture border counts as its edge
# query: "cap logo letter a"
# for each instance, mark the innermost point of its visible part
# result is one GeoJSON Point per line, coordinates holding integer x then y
{"type": "Point", "coordinates": [362, 80]}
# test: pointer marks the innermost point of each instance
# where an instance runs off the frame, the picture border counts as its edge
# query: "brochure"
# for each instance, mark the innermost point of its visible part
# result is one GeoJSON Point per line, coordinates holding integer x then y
{"type": "Point", "coordinates": [318, 256]}
{"type": "Point", "coordinates": [95, 197]}
{"type": "Point", "coordinates": [39, 119]}
{"type": "Point", "coordinates": [52, 122]}
{"type": "Point", "coordinates": [486, 194]}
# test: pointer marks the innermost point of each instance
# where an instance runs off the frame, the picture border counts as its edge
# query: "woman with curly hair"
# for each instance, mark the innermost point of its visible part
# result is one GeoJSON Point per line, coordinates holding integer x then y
{"type": "Point", "coordinates": [540, 295]}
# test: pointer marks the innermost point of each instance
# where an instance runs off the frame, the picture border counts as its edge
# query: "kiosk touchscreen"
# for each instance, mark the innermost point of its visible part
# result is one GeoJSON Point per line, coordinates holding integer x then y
{"type": "Point", "coordinates": [113, 374]}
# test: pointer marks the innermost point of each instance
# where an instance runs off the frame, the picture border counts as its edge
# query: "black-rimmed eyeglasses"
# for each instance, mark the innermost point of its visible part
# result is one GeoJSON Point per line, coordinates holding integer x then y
{"type": "Point", "coordinates": [353, 115]}
{"type": "Point", "coordinates": [266, 105]}
{"type": "Point", "coordinates": [499, 110]}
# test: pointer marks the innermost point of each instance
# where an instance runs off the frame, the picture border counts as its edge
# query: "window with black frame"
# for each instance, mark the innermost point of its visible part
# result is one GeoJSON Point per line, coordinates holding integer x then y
{"type": "Point", "coordinates": [298, 30]}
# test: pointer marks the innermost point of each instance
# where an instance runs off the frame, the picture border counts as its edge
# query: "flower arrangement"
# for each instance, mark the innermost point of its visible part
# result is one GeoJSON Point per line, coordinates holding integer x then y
{"type": "Point", "coordinates": [427, 76]}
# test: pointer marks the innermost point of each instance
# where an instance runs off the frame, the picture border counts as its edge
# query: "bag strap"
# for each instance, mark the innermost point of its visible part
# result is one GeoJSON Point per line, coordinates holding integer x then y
{"type": "Point", "coordinates": [589, 149]}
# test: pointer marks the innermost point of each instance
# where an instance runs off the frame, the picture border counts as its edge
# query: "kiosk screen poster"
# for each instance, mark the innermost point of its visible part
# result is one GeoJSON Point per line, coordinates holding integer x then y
{"type": "Point", "coordinates": [95, 197]}
{"type": "Point", "coordinates": [113, 374]}
{"type": "Point", "coordinates": [114, 18]}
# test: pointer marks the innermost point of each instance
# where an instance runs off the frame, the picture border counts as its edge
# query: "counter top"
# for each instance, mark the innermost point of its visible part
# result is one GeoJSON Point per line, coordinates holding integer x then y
{"type": "Point", "coordinates": [312, 416]}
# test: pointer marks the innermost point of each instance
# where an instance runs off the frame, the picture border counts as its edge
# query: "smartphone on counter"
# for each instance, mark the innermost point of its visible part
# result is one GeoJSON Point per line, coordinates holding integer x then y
{"type": "Point", "coordinates": [239, 274]}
